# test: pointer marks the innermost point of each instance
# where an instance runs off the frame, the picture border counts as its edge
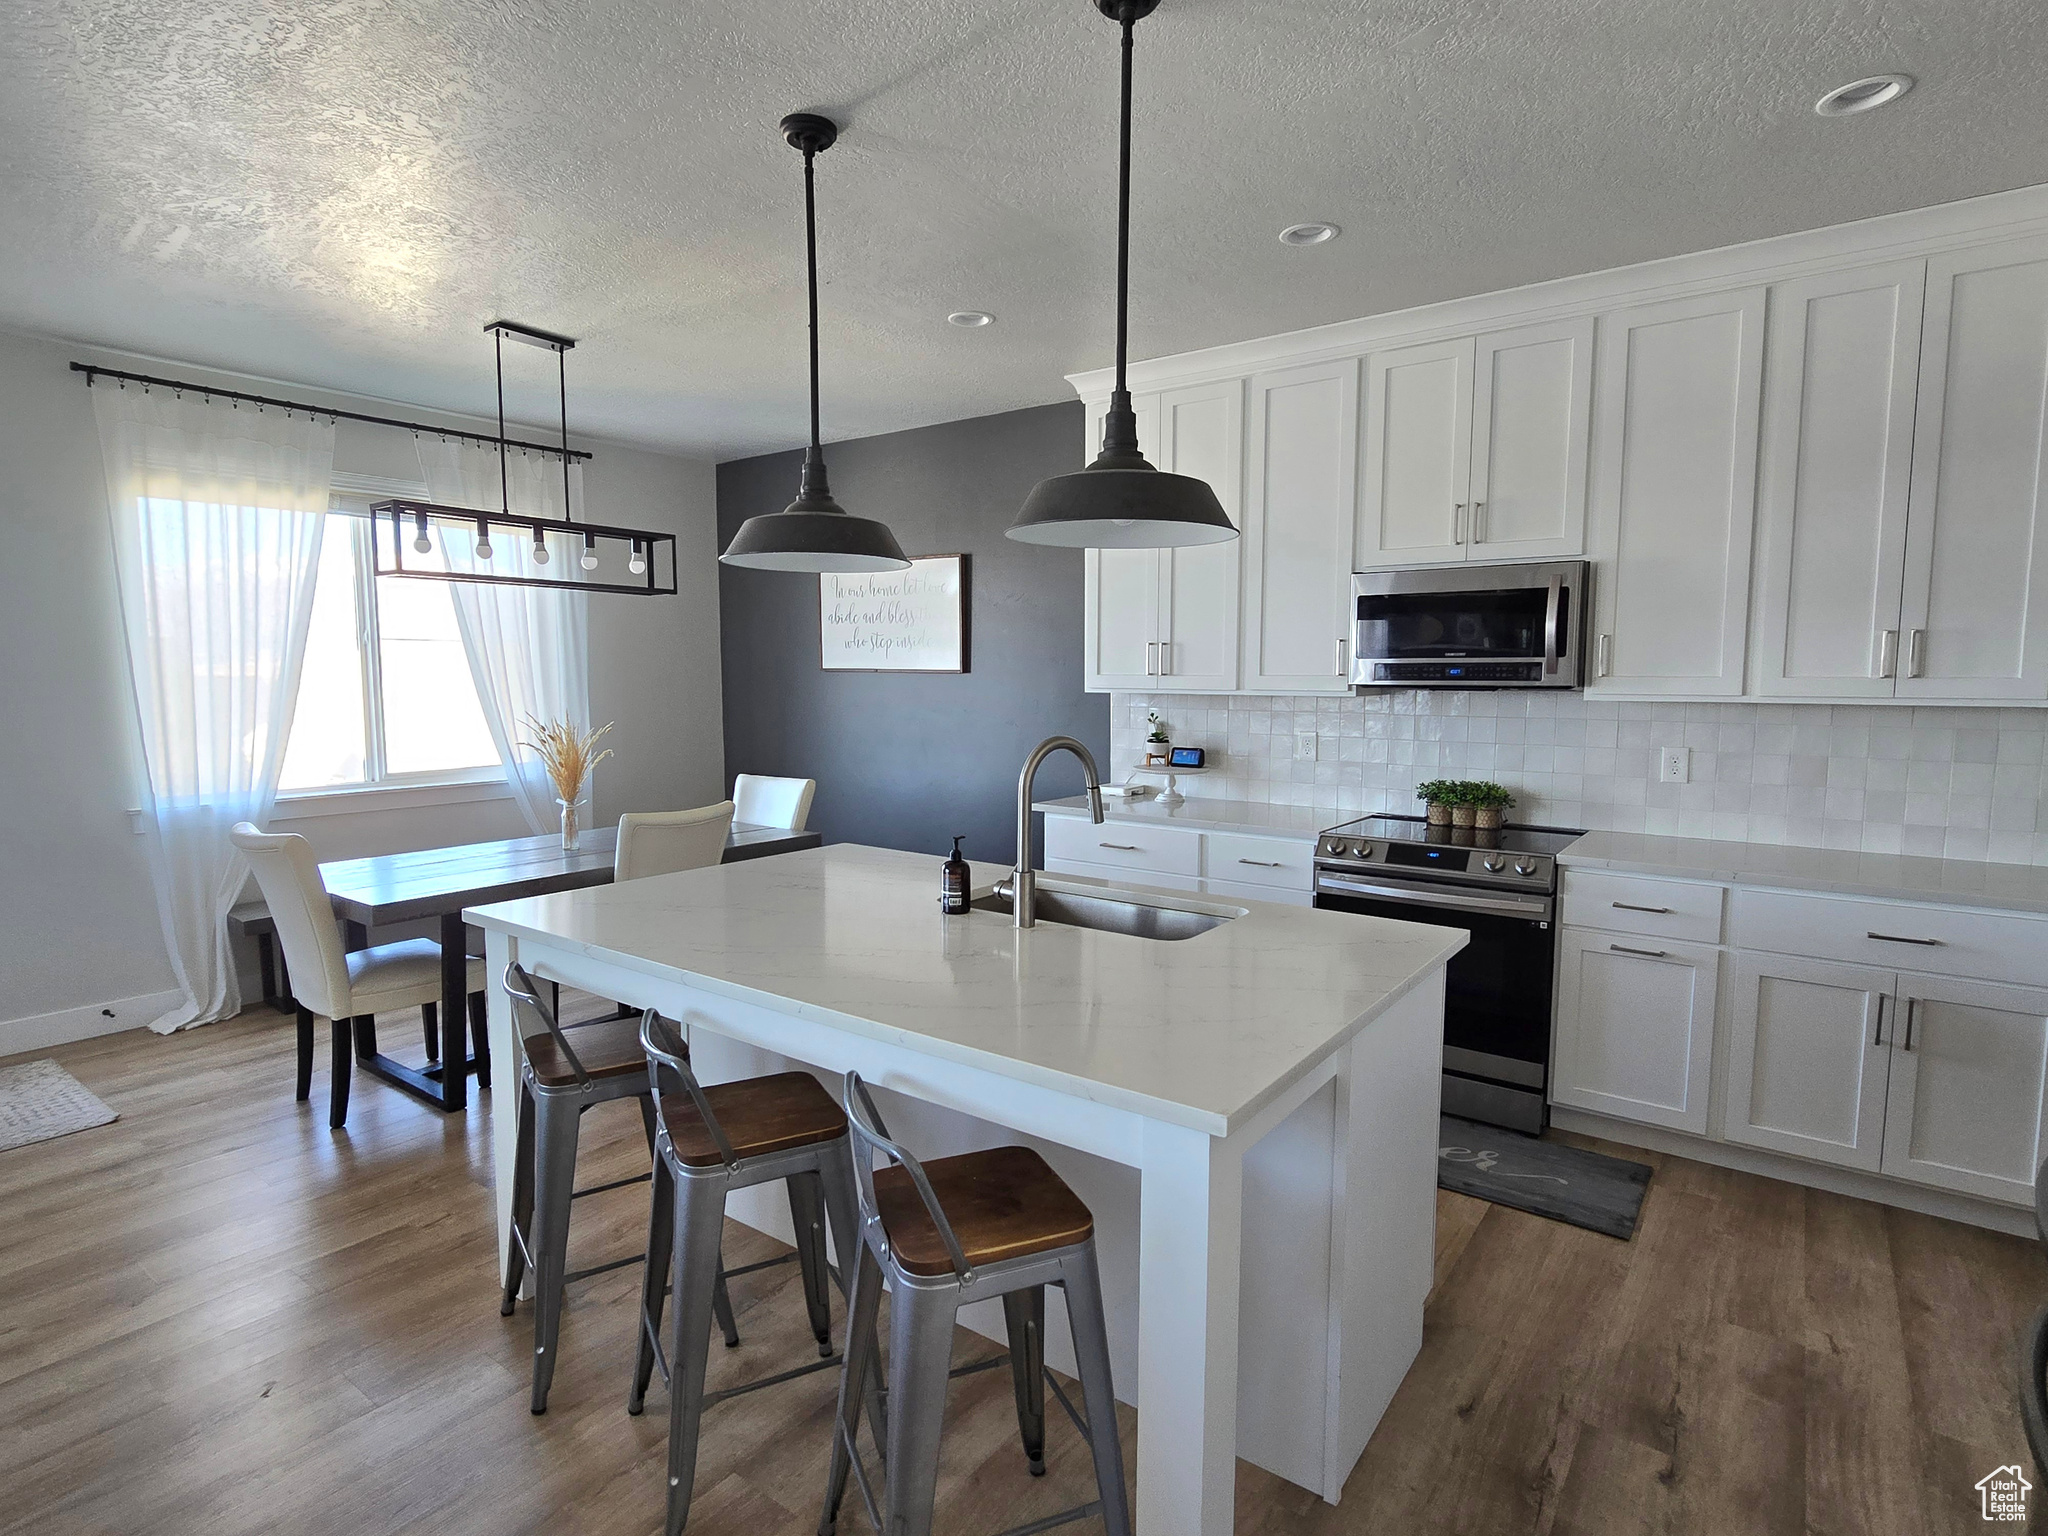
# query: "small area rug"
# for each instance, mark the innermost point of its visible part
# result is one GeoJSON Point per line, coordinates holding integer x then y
{"type": "Point", "coordinates": [1546, 1178]}
{"type": "Point", "coordinates": [40, 1101]}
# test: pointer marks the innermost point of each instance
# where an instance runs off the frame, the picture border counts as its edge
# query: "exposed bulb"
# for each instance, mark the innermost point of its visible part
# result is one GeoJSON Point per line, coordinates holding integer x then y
{"type": "Point", "coordinates": [638, 564]}
{"type": "Point", "coordinates": [589, 561]}
{"type": "Point", "coordinates": [540, 548]}
{"type": "Point", "coordinates": [483, 546]}
{"type": "Point", "coordinates": [421, 543]}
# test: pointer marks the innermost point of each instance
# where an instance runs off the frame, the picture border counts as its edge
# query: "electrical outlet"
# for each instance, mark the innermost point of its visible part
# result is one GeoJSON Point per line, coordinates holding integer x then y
{"type": "Point", "coordinates": [1306, 744]}
{"type": "Point", "coordinates": [1674, 765]}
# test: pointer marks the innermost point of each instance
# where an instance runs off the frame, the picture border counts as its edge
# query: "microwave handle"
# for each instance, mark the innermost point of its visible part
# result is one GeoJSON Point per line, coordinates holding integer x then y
{"type": "Point", "coordinates": [1553, 638]}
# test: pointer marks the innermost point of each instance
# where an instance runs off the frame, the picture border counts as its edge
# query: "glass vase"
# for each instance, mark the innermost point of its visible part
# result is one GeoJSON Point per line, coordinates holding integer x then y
{"type": "Point", "coordinates": [570, 830]}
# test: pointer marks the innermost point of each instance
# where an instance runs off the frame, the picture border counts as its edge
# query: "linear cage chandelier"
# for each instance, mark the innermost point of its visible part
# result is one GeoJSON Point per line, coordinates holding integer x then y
{"type": "Point", "coordinates": [606, 558]}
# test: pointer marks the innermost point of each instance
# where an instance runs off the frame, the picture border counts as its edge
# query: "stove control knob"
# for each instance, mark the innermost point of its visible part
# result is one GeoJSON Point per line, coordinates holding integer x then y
{"type": "Point", "coordinates": [1525, 866]}
{"type": "Point", "coordinates": [1363, 850]}
{"type": "Point", "coordinates": [1495, 863]}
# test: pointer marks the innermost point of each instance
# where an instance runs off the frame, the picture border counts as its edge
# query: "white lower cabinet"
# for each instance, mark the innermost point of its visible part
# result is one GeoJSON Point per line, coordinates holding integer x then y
{"type": "Point", "coordinates": [1969, 1080]}
{"type": "Point", "coordinates": [1808, 1058]}
{"type": "Point", "coordinates": [1940, 1080]}
{"type": "Point", "coordinates": [1635, 1027]}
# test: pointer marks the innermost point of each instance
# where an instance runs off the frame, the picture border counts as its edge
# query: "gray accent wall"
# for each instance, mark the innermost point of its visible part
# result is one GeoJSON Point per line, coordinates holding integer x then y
{"type": "Point", "coordinates": [907, 760]}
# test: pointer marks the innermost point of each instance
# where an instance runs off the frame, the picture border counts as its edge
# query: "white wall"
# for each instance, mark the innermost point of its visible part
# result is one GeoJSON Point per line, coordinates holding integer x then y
{"type": "Point", "coordinates": [78, 923]}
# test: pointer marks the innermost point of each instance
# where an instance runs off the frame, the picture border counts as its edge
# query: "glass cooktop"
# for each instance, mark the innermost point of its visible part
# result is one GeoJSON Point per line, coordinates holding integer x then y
{"type": "Point", "coordinates": [1511, 838]}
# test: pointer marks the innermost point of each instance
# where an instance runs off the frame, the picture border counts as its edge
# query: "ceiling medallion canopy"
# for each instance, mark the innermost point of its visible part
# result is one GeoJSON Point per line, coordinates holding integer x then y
{"type": "Point", "coordinates": [813, 533]}
{"type": "Point", "coordinates": [1120, 501]}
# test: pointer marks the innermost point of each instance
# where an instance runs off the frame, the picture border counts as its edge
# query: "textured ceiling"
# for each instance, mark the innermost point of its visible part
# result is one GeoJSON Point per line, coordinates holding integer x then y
{"type": "Point", "coordinates": [341, 192]}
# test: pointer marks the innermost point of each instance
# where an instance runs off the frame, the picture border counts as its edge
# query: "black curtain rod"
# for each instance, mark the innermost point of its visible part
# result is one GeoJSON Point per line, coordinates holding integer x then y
{"type": "Point", "coordinates": [92, 369]}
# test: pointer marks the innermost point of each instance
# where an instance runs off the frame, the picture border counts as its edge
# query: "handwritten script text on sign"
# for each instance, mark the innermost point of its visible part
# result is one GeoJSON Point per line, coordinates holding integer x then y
{"type": "Point", "coordinates": [907, 621]}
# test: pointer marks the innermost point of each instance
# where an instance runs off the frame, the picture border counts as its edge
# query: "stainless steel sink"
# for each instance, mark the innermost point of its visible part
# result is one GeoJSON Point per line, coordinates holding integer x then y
{"type": "Point", "coordinates": [1116, 912]}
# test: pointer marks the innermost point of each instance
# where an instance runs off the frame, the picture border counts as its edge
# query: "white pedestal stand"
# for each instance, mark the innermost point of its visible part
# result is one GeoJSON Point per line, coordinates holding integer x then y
{"type": "Point", "coordinates": [1172, 796]}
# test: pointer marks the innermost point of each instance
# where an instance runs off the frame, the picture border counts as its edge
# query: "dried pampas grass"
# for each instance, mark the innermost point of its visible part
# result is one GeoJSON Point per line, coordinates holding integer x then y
{"type": "Point", "coordinates": [566, 753]}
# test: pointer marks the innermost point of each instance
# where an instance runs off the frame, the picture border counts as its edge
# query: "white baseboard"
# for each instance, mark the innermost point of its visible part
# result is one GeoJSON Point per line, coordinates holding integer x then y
{"type": "Point", "coordinates": [2016, 1219]}
{"type": "Point", "coordinates": [39, 1031]}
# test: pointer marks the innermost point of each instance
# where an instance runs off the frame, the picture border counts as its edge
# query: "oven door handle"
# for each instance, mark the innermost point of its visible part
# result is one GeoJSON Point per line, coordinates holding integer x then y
{"type": "Point", "coordinates": [1531, 907]}
{"type": "Point", "coordinates": [1553, 637]}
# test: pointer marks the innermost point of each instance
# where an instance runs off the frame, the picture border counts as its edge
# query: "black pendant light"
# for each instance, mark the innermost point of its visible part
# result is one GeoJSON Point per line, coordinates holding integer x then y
{"type": "Point", "coordinates": [813, 533]}
{"type": "Point", "coordinates": [1120, 501]}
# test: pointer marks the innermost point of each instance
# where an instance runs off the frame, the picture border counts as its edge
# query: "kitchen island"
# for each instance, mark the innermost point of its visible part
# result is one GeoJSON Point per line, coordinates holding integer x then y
{"type": "Point", "coordinates": [1251, 1113]}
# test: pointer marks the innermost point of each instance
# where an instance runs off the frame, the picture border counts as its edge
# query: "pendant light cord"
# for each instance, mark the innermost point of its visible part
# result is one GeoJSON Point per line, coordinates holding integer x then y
{"type": "Point", "coordinates": [504, 481]}
{"type": "Point", "coordinates": [811, 256]}
{"type": "Point", "coordinates": [1123, 215]}
{"type": "Point", "coordinates": [562, 378]}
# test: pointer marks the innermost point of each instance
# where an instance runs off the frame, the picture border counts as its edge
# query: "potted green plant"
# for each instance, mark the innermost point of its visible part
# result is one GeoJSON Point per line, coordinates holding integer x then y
{"type": "Point", "coordinates": [1489, 802]}
{"type": "Point", "coordinates": [1441, 797]}
{"type": "Point", "coordinates": [1157, 742]}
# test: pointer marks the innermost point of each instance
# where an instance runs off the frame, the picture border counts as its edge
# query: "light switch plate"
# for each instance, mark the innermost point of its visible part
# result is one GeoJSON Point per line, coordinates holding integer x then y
{"type": "Point", "coordinates": [1674, 765]}
{"type": "Point", "coordinates": [1305, 747]}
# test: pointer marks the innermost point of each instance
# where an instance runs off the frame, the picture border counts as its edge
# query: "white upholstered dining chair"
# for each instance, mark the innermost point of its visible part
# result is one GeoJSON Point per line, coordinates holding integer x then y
{"type": "Point", "coordinates": [661, 842]}
{"type": "Point", "coordinates": [327, 980]}
{"type": "Point", "coordinates": [770, 802]}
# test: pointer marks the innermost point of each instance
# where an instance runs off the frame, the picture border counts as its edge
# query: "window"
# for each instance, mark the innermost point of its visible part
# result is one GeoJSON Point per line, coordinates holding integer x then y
{"type": "Point", "coordinates": [386, 695]}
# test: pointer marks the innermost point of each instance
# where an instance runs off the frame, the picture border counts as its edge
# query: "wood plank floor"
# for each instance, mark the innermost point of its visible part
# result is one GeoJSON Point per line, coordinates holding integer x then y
{"type": "Point", "coordinates": [218, 1316]}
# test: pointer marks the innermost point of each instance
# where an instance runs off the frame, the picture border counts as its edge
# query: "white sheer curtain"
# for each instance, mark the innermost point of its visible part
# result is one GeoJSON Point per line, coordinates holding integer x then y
{"type": "Point", "coordinates": [217, 514]}
{"type": "Point", "coordinates": [529, 647]}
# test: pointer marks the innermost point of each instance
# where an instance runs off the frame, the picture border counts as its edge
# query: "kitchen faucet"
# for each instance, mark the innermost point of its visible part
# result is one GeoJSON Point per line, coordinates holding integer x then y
{"type": "Point", "coordinates": [1023, 882]}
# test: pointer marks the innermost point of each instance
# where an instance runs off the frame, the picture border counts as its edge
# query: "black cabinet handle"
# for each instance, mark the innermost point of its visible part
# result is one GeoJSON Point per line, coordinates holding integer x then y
{"type": "Point", "coordinates": [1629, 906]}
{"type": "Point", "coordinates": [1647, 954]}
{"type": "Point", "coordinates": [1900, 938]}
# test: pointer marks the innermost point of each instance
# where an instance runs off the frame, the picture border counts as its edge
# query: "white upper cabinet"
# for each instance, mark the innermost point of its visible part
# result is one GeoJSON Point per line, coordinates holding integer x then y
{"type": "Point", "coordinates": [1976, 579]}
{"type": "Point", "coordinates": [1120, 647]}
{"type": "Point", "coordinates": [1532, 407]}
{"type": "Point", "coordinates": [1415, 499]}
{"type": "Point", "coordinates": [1300, 507]}
{"type": "Point", "coordinates": [1674, 500]}
{"type": "Point", "coordinates": [1203, 430]}
{"type": "Point", "coordinates": [1476, 449]}
{"type": "Point", "coordinates": [1840, 371]}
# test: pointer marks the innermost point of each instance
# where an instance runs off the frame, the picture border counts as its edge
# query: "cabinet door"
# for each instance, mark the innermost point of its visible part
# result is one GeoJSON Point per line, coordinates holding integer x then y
{"type": "Point", "coordinates": [1841, 364]}
{"type": "Point", "coordinates": [1532, 409]}
{"type": "Point", "coordinates": [1675, 424]}
{"type": "Point", "coordinates": [1635, 1028]}
{"type": "Point", "coordinates": [1808, 1055]}
{"type": "Point", "coordinates": [1203, 432]}
{"type": "Point", "coordinates": [1415, 505]}
{"type": "Point", "coordinates": [1120, 645]}
{"type": "Point", "coordinates": [1300, 503]}
{"type": "Point", "coordinates": [1976, 592]}
{"type": "Point", "coordinates": [1969, 1076]}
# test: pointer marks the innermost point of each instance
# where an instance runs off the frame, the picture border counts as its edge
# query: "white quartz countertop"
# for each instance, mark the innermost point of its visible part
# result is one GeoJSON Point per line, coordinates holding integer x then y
{"type": "Point", "coordinates": [1201, 1032]}
{"type": "Point", "coordinates": [1255, 817]}
{"type": "Point", "coordinates": [1897, 877]}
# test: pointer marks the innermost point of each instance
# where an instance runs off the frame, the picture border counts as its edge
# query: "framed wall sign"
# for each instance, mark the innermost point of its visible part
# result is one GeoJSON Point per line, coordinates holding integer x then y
{"type": "Point", "coordinates": [896, 621]}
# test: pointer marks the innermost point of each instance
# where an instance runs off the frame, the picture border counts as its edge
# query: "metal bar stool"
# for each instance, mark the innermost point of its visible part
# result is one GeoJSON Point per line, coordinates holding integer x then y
{"type": "Point", "coordinates": [558, 1082]}
{"type": "Point", "coordinates": [963, 1229]}
{"type": "Point", "coordinates": [709, 1142]}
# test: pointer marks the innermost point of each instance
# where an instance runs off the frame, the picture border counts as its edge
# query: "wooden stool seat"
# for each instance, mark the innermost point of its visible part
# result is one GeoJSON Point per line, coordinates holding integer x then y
{"type": "Point", "coordinates": [607, 1048]}
{"type": "Point", "coordinates": [759, 1116]}
{"type": "Point", "coordinates": [1005, 1203]}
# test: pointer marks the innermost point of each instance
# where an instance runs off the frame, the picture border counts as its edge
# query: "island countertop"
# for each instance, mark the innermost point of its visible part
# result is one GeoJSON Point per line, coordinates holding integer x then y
{"type": "Point", "coordinates": [1199, 1032]}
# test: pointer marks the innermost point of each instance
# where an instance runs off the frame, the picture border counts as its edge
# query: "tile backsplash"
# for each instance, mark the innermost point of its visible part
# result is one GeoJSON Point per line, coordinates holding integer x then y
{"type": "Point", "coordinates": [1955, 783]}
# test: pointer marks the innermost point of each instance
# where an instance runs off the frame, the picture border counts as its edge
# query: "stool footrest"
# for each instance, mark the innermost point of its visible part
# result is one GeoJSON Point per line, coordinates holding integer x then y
{"type": "Point", "coordinates": [604, 1269]}
{"type": "Point", "coordinates": [761, 1264]}
{"type": "Point", "coordinates": [598, 1189]}
{"type": "Point", "coordinates": [831, 1362]}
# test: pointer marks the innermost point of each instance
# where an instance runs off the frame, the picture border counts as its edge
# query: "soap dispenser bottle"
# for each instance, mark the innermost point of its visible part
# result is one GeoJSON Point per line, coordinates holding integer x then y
{"type": "Point", "coordinates": [955, 882]}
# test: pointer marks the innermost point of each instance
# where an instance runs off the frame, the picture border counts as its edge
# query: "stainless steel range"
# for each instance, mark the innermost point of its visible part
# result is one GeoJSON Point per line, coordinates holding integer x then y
{"type": "Point", "coordinates": [1501, 887]}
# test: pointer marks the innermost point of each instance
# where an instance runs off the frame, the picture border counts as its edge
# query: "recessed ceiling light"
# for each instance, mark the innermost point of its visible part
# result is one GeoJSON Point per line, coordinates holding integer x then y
{"type": "Point", "coordinates": [1863, 95]}
{"type": "Point", "coordinates": [970, 319]}
{"type": "Point", "coordinates": [1309, 234]}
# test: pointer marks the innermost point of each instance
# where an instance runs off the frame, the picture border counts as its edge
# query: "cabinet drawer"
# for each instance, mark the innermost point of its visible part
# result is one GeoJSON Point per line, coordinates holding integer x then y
{"type": "Point", "coordinates": [1241, 891]}
{"type": "Point", "coordinates": [1261, 861]}
{"type": "Point", "coordinates": [1120, 845]}
{"type": "Point", "coordinates": [1122, 878]}
{"type": "Point", "coordinates": [1663, 909]}
{"type": "Point", "coordinates": [1981, 946]}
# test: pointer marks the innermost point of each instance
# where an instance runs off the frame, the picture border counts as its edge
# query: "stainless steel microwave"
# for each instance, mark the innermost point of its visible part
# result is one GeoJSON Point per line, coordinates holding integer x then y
{"type": "Point", "coordinates": [1471, 626]}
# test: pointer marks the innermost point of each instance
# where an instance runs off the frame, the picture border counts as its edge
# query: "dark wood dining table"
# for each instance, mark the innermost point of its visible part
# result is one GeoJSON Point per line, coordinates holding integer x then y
{"type": "Point", "coordinates": [438, 883]}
